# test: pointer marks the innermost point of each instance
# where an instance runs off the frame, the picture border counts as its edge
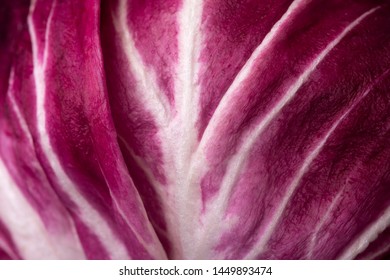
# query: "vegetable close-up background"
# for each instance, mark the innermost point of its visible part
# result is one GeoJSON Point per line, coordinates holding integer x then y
{"type": "Point", "coordinates": [194, 129]}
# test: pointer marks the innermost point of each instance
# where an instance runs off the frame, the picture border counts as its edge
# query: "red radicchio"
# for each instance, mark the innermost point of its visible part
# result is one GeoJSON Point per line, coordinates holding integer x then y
{"type": "Point", "coordinates": [185, 129]}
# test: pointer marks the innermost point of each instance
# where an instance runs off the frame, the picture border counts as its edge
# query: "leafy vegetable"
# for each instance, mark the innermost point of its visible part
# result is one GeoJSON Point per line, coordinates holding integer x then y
{"type": "Point", "coordinates": [208, 129]}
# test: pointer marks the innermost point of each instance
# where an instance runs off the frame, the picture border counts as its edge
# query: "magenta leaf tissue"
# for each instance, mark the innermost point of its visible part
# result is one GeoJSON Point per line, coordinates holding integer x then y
{"type": "Point", "coordinates": [183, 129]}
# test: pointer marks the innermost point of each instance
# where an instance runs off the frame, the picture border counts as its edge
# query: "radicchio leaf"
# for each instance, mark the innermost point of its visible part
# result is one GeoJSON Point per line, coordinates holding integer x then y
{"type": "Point", "coordinates": [186, 129]}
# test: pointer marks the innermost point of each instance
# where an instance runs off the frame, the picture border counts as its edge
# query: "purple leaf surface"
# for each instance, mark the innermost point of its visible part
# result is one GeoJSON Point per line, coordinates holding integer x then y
{"type": "Point", "coordinates": [184, 129]}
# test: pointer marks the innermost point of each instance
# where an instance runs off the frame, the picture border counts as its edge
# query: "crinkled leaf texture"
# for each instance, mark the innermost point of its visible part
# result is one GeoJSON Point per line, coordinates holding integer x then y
{"type": "Point", "coordinates": [185, 129]}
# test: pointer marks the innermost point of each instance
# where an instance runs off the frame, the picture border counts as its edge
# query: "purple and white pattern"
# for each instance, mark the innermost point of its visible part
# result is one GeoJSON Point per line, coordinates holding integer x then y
{"type": "Point", "coordinates": [185, 129]}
